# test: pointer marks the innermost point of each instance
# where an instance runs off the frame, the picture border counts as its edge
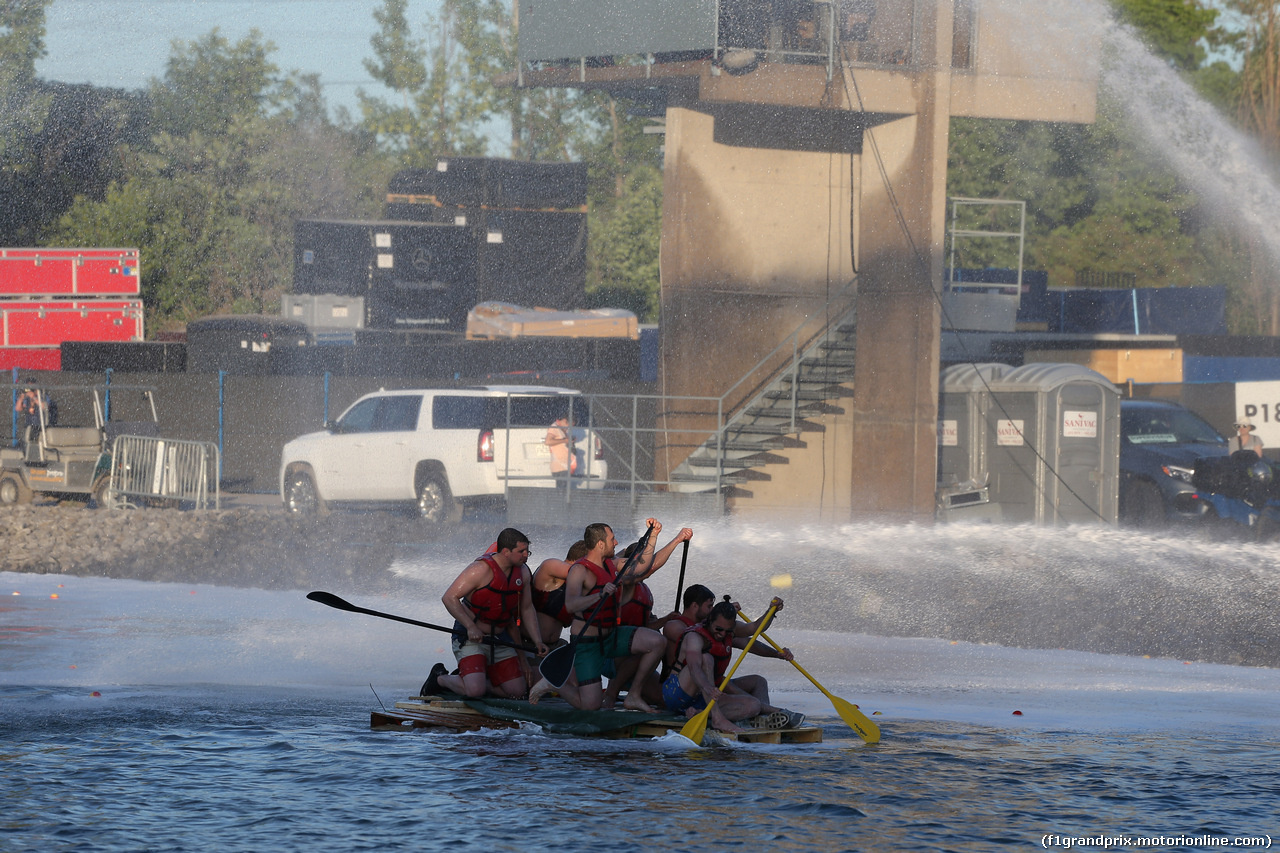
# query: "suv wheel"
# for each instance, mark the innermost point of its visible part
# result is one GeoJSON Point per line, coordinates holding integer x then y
{"type": "Point", "coordinates": [13, 490]}
{"type": "Point", "coordinates": [1143, 506]}
{"type": "Point", "coordinates": [435, 503]}
{"type": "Point", "coordinates": [301, 497]}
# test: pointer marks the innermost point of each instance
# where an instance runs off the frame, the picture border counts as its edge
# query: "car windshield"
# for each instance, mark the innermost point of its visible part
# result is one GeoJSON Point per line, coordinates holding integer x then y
{"type": "Point", "coordinates": [1166, 426]}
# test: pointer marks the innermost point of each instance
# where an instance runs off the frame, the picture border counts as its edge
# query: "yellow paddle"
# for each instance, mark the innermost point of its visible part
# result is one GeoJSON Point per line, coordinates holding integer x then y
{"type": "Point", "coordinates": [697, 726]}
{"type": "Point", "coordinates": [848, 712]}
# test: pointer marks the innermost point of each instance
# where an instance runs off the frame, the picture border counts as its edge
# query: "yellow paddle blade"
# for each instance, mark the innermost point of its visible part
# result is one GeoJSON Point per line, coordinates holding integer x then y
{"type": "Point", "coordinates": [853, 718]}
{"type": "Point", "coordinates": [697, 725]}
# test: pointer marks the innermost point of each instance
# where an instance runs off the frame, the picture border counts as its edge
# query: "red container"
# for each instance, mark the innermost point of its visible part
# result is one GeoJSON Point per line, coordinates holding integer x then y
{"type": "Point", "coordinates": [69, 272]}
{"type": "Point", "coordinates": [28, 324]}
{"type": "Point", "coordinates": [30, 359]}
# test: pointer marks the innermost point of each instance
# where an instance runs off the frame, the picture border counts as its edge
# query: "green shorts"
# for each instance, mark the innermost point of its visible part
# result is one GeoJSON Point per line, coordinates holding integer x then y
{"type": "Point", "coordinates": [592, 652]}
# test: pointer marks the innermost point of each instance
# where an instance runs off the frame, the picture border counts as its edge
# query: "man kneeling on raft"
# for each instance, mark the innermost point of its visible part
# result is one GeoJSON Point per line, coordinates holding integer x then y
{"type": "Point", "coordinates": [591, 592]}
{"type": "Point", "coordinates": [700, 665]}
{"type": "Point", "coordinates": [485, 600]}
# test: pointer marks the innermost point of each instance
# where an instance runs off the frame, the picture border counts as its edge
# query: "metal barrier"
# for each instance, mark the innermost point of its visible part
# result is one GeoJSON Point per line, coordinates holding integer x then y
{"type": "Point", "coordinates": [145, 469]}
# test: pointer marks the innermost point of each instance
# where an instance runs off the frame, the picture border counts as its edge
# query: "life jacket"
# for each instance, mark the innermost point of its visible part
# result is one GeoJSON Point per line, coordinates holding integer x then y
{"type": "Point", "coordinates": [605, 616]}
{"type": "Point", "coordinates": [720, 652]}
{"type": "Point", "coordinates": [639, 610]}
{"type": "Point", "coordinates": [551, 602]}
{"type": "Point", "coordinates": [498, 601]}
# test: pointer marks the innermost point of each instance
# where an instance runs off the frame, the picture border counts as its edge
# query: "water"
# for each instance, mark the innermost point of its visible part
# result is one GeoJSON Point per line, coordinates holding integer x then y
{"type": "Point", "coordinates": [238, 719]}
{"type": "Point", "coordinates": [1225, 166]}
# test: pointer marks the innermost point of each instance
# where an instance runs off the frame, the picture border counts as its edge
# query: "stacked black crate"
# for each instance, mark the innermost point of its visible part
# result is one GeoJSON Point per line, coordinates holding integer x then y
{"type": "Point", "coordinates": [411, 275]}
{"type": "Point", "coordinates": [527, 220]}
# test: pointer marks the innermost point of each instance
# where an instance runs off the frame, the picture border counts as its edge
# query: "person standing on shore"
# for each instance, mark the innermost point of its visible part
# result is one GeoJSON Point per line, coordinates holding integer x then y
{"type": "Point", "coordinates": [559, 440]}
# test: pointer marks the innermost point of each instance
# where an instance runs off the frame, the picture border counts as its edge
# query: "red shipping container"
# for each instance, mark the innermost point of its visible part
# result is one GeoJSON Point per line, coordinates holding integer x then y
{"type": "Point", "coordinates": [30, 359]}
{"type": "Point", "coordinates": [69, 272]}
{"type": "Point", "coordinates": [28, 324]}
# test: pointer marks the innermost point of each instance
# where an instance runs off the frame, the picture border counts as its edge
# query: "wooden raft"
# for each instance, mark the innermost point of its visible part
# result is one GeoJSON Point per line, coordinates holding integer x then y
{"type": "Point", "coordinates": [456, 716]}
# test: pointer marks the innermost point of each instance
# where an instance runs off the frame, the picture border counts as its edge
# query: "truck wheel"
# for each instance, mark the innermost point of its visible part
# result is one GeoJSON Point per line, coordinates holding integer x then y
{"type": "Point", "coordinates": [1143, 506]}
{"type": "Point", "coordinates": [301, 497]}
{"type": "Point", "coordinates": [101, 497]}
{"type": "Point", "coordinates": [13, 490]}
{"type": "Point", "coordinates": [435, 502]}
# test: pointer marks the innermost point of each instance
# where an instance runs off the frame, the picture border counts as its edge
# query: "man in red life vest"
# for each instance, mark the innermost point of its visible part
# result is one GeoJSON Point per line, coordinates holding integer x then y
{"type": "Point", "coordinates": [486, 600]}
{"type": "Point", "coordinates": [638, 611]}
{"type": "Point", "coordinates": [701, 662]}
{"type": "Point", "coordinates": [697, 602]}
{"type": "Point", "coordinates": [594, 591]}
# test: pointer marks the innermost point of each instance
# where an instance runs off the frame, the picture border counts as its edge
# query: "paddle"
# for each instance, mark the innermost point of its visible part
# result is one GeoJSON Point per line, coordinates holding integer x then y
{"type": "Point", "coordinates": [332, 600]}
{"type": "Point", "coordinates": [697, 726]}
{"type": "Point", "coordinates": [848, 712]}
{"type": "Point", "coordinates": [557, 665]}
{"type": "Point", "coordinates": [684, 559]}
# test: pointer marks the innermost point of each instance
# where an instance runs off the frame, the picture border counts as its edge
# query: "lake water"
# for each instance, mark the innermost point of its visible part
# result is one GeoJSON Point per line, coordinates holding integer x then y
{"type": "Point", "coordinates": [234, 719]}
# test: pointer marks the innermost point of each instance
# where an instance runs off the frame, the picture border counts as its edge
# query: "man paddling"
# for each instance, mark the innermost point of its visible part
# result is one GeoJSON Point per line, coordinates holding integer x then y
{"type": "Point", "coordinates": [594, 591]}
{"type": "Point", "coordinates": [485, 600]}
{"type": "Point", "coordinates": [701, 660]}
{"type": "Point", "coordinates": [638, 611]}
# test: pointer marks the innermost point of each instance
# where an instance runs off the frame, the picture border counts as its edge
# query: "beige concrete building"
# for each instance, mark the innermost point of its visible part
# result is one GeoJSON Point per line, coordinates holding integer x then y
{"type": "Point", "coordinates": [805, 173]}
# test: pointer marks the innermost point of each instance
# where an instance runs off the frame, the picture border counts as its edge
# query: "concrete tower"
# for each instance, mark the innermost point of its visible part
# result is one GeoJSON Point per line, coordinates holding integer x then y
{"type": "Point", "coordinates": [805, 169]}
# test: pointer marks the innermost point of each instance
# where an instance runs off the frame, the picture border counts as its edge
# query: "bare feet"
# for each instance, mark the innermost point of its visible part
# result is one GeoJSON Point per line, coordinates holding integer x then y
{"type": "Point", "coordinates": [633, 702]}
{"type": "Point", "coordinates": [721, 723]}
{"type": "Point", "coordinates": [542, 688]}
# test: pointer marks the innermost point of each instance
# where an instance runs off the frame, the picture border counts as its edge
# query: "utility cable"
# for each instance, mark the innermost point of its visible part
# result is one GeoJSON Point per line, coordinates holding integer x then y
{"type": "Point", "coordinates": [848, 77]}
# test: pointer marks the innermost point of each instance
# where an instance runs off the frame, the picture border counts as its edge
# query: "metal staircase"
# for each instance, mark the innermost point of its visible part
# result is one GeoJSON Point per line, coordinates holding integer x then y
{"type": "Point", "coordinates": [809, 384]}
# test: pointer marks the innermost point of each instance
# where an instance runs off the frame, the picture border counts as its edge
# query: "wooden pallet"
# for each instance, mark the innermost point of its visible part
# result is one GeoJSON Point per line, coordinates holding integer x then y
{"type": "Point", "coordinates": [456, 716]}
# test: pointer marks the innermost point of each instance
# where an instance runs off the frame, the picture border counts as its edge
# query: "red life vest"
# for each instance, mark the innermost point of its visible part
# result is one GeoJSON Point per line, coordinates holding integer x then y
{"type": "Point", "coordinates": [720, 652]}
{"type": "Point", "coordinates": [606, 614]}
{"type": "Point", "coordinates": [551, 602]}
{"type": "Point", "coordinates": [498, 601]}
{"type": "Point", "coordinates": [639, 610]}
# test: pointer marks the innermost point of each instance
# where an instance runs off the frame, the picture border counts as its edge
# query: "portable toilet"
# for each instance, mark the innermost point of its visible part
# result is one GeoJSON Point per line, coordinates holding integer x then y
{"type": "Point", "coordinates": [1044, 441]}
{"type": "Point", "coordinates": [963, 480]}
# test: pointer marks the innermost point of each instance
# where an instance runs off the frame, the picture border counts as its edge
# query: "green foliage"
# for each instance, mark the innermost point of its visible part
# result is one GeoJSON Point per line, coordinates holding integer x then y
{"type": "Point", "coordinates": [24, 106]}
{"type": "Point", "coordinates": [211, 85]}
{"type": "Point", "coordinates": [623, 250]}
{"type": "Point", "coordinates": [1098, 200]}
{"type": "Point", "coordinates": [212, 197]}
{"type": "Point", "coordinates": [1176, 29]}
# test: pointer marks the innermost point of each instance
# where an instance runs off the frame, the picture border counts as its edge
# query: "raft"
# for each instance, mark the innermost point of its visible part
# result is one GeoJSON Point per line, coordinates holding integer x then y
{"type": "Point", "coordinates": [555, 716]}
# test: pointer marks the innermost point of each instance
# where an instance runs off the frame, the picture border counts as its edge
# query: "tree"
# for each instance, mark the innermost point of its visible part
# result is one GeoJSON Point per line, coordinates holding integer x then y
{"type": "Point", "coordinates": [211, 198]}
{"type": "Point", "coordinates": [24, 106]}
{"type": "Point", "coordinates": [211, 85]}
{"type": "Point", "coordinates": [1259, 102]}
{"type": "Point", "coordinates": [1179, 30]}
{"type": "Point", "coordinates": [1097, 199]}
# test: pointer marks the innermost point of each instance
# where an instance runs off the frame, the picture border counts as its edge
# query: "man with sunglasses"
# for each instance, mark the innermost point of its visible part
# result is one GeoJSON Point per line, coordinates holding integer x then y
{"type": "Point", "coordinates": [700, 665]}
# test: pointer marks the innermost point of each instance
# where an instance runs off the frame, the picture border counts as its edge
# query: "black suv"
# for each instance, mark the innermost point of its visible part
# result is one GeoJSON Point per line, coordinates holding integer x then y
{"type": "Point", "coordinates": [1159, 445]}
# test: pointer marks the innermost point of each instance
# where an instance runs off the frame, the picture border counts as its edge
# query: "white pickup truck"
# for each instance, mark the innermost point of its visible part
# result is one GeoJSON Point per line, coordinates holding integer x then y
{"type": "Point", "coordinates": [437, 449]}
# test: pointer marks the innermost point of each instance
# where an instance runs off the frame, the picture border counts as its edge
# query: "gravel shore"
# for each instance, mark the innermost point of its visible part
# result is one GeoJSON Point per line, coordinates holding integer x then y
{"type": "Point", "coordinates": [256, 546]}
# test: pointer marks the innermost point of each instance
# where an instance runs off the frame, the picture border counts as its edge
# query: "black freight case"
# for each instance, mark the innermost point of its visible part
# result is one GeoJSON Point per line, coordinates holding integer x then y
{"type": "Point", "coordinates": [494, 182]}
{"type": "Point", "coordinates": [527, 257]}
{"type": "Point", "coordinates": [413, 275]}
